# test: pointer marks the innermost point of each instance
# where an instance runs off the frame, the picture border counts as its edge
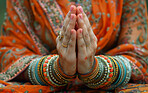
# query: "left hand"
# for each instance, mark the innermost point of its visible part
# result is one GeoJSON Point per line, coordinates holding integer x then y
{"type": "Point", "coordinates": [86, 43]}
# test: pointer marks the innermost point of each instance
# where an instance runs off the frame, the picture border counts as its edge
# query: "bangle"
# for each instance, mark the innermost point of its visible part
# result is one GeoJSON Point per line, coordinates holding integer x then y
{"type": "Point", "coordinates": [48, 72]}
{"type": "Point", "coordinates": [60, 74]}
{"type": "Point", "coordinates": [56, 76]}
{"type": "Point", "coordinates": [44, 70]}
{"type": "Point", "coordinates": [92, 69]}
{"type": "Point", "coordinates": [128, 73]}
{"type": "Point", "coordinates": [30, 74]}
{"type": "Point", "coordinates": [37, 75]}
{"type": "Point", "coordinates": [99, 83]}
{"type": "Point", "coordinates": [33, 71]}
{"type": "Point", "coordinates": [111, 71]}
{"type": "Point", "coordinates": [100, 73]}
{"type": "Point", "coordinates": [115, 72]}
{"type": "Point", "coordinates": [52, 74]}
{"type": "Point", "coordinates": [123, 71]}
{"type": "Point", "coordinates": [59, 68]}
{"type": "Point", "coordinates": [40, 70]}
{"type": "Point", "coordinates": [113, 86]}
{"type": "Point", "coordinates": [90, 77]}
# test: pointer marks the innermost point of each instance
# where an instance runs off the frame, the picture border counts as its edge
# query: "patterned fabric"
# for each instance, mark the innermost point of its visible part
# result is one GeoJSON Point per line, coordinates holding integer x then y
{"type": "Point", "coordinates": [31, 27]}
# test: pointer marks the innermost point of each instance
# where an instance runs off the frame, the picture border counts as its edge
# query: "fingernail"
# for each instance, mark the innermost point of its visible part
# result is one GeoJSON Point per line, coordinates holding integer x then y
{"type": "Point", "coordinates": [81, 10]}
{"type": "Point", "coordinates": [81, 16]}
{"type": "Point", "coordinates": [71, 8]}
{"type": "Point", "coordinates": [72, 16]}
{"type": "Point", "coordinates": [80, 30]}
{"type": "Point", "coordinates": [72, 31]}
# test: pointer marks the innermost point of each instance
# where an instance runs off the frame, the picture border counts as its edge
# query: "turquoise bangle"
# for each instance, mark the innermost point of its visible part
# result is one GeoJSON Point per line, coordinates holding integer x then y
{"type": "Point", "coordinates": [97, 84]}
{"type": "Point", "coordinates": [33, 72]}
{"type": "Point", "coordinates": [29, 72]}
{"type": "Point", "coordinates": [128, 73]}
{"type": "Point", "coordinates": [37, 76]}
{"type": "Point", "coordinates": [113, 85]}
{"type": "Point", "coordinates": [125, 71]}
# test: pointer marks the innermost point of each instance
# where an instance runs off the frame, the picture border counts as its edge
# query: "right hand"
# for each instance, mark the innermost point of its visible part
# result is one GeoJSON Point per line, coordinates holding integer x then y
{"type": "Point", "coordinates": [66, 43]}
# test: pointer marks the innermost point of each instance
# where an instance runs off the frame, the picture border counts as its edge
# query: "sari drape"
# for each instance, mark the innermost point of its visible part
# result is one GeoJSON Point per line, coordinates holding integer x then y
{"type": "Point", "coordinates": [31, 27]}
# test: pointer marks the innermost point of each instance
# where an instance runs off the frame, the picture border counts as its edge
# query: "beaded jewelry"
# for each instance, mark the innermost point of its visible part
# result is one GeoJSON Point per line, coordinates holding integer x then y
{"type": "Point", "coordinates": [33, 71]}
{"type": "Point", "coordinates": [89, 78]}
{"type": "Point", "coordinates": [59, 68]}
{"type": "Point", "coordinates": [50, 69]}
{"type": "Point", "coordinates": [29, 73]}
{"type": "Point", "coordinates": [128, 66]}
{"type": "Point", "coordinates": [115, 72]}
{"type": "Point", "coordinates": [36, 74]}
{"type": "Point", "coordinates": [113, 86]}
{"type": "Point", "coordinates": [123, 71]}
{"type": "Point", "coordinates": [40, 70]}
{"type": "Point", "coordinates": [100, 82]}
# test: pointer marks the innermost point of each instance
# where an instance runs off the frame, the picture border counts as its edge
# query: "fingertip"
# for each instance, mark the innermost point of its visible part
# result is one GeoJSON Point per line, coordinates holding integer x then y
{"type": "Point", "coordinates": [72, 16]}
{"type": "Point", "coordinates": [80, 16]}
{"type": "Point", "coordinates": [80, 30]}
{"type": "Point", "coordinates": [79, 9]}
{"type": "Point", "coordinates": [72, 31]}
{"type": "Point", "coordinates": [73, 8]}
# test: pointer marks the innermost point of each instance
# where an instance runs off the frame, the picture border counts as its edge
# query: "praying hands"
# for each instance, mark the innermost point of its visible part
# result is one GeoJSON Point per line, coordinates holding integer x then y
{"type": "Point", "coordinates": [76, 47]}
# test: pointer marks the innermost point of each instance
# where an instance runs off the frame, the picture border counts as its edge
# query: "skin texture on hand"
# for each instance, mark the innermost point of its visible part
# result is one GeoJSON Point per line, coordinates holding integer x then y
{"type": "Point", "coordinates": [76, 29]}
{"type": "Point", "coordinates": [66, 46]}
{"type": "Point", "coordinates": [86, 42]}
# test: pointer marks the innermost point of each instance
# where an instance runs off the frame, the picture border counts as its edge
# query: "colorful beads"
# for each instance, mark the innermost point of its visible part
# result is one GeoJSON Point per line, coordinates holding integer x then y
{"type": "Point", "coordinates": [113, 73]}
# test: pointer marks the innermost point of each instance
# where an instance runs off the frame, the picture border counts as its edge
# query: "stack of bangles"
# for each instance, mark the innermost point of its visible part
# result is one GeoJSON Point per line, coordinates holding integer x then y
{"type": "Point", "coordinates": [48, 71]}
{"type": "Point", "coordinates": [108, 72]}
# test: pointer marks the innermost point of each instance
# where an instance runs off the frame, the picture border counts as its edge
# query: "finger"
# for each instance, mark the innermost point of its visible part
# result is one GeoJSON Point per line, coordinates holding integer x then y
{"type": "Point", "coordinates": [67, 19]}
{"type": "Point", "coordinates": [85, 18]}
{"type": "Point", "coordinates": [58, 46]}
{"type": "Point", "coordinates": [70, 26]}
{"type": "Point", "coordinates": [72, 42]}
{"type": "Point", "coordinates": [81, 43]}
{"type": "Point", "coordinates": [85, 34]}
{"type": "Point", "coordinates": [86, 21]}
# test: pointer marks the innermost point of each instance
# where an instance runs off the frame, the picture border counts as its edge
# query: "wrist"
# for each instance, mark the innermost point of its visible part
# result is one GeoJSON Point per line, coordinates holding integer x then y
{"type": "Point", "coordinates": [87, 77]}
{"type": "Point", "coordinates": [66, 72]}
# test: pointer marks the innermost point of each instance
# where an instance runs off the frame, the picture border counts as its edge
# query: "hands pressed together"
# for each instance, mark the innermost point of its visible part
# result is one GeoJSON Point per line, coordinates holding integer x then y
{"type": "Point", "coordinates": [76, 43]}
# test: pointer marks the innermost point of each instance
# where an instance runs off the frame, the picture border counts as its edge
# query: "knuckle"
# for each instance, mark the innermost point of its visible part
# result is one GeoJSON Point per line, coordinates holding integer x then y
{"type": "Point", "coordinates": [86, 35]}
{"type": "Point", "coordinates": [82, 45]}
{"type": "Point", "coordinates": [71, 23]}
{"type": "Point", "coordinates": [67, 36]}
{"type": "Point", "coordinates": [58, 48]}
{"type": "Point", "coordinates": [69, 14]}
{"type": "Point", "coordinates": [64, 28]}
{"type": "Point", "coordinates": [80, 37]}
{"type": "Point", "coordinates": [71, 45]}
{"type": "Point", "coordinates": [57, 39]}
{"type": "Point", "coordinates": [68, 27]}
{"type": "Point", "coordinates": [89, 28]}
{"type": "Point", "coordinates": [72, 38]}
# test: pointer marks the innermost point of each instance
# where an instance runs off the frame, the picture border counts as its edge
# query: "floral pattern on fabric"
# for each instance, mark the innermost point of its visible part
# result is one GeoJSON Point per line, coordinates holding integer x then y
{"type": "Point", "coordinates": [32, 25]}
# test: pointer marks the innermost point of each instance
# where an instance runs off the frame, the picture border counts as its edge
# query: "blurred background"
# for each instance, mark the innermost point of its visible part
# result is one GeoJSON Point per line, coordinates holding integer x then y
{"type": "Point", "coordinates": [3, 10]}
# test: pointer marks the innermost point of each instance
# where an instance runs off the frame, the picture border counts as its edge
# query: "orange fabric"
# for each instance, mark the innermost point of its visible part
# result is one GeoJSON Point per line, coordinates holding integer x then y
{"type": "Point", "coordinates": [32, 24]}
